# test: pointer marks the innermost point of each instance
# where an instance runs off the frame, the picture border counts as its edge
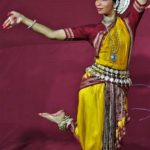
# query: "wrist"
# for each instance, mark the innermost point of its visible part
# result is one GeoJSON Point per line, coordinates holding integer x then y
{"type": "Point", "coordinates": [28, 22]}
{"type": "Point", "coordinates": [32, 24]}
{"type": "Point", "coordinates": [23, 19]}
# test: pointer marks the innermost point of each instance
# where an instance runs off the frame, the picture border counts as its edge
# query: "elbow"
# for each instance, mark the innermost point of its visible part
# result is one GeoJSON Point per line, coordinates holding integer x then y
{"type": "Point", "coordinates": [50, 36]}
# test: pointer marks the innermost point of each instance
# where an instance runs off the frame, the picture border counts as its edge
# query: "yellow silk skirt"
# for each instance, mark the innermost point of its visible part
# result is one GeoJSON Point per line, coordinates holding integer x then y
{"type": "Point", "coordinates": [90, 117]}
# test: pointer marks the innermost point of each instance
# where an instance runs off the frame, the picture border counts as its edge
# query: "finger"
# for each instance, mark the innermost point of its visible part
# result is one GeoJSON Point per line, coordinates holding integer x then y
{"type": "Point", "coordinates": [9, 27]}
{"type": "Point", "coordinates": [9, 13]}
{"type": "Point", "coordinates": [45, 115]}
{"type": "Point", "coordinates": [39, 114]}
{"type": "Point", "coordinates": [42, 115]}
{"type": "Point", "coordinates": [8, 20]}
{"type": "Point", "coordinates": [7, 23]}
{"type": "Point", "coordinates": [147, 7]}
{"type": "Point", "coordinates": [4, 25]}
{"type": "Point", "coordinates": [12, 20]}
{"type": "Point", "coordinates": [14, 13]}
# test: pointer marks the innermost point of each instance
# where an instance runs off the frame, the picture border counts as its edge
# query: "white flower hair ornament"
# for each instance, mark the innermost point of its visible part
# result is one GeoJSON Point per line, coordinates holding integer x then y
{"type": "Point", "coordinates": [121, 6]}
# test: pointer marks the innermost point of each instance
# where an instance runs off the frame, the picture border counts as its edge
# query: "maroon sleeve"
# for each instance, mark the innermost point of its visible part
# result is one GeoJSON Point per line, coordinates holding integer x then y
{"type": "Point", "coordinates": [81, 32]}
{"type": "Point", "coordinates": [135, 14]}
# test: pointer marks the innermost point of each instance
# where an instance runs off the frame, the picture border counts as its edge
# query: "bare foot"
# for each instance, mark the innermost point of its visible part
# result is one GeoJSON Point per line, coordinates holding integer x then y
{"type": "Point", "coordinates": [56, 117]}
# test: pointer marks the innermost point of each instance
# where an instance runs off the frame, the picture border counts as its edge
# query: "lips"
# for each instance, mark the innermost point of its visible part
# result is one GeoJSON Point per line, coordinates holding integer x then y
{"type": "Point", "coordinates": [99, 8]}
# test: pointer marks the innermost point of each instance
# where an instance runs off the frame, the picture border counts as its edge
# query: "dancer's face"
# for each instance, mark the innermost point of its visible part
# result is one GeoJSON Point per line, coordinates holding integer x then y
{"type": "Point", "coordinates": [104, 7]}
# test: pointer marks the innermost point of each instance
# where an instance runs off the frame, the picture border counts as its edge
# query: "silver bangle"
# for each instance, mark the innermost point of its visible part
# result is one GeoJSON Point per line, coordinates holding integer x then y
{"type": "Point", "coordinates": [32, 24]}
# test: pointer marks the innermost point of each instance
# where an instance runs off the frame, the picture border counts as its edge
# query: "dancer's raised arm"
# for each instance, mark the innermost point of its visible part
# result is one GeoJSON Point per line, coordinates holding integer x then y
{"type": "Point", "coordinates": [16, 18]}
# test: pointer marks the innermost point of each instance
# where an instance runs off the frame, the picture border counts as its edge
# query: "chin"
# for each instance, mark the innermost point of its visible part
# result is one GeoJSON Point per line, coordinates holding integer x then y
{"type": "Point", "coordinates": [100, 12]}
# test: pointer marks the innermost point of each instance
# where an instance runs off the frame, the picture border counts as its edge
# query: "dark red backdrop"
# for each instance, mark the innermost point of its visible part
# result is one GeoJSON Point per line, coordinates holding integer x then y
{"type": "Point", "coordinates": [38, 75]}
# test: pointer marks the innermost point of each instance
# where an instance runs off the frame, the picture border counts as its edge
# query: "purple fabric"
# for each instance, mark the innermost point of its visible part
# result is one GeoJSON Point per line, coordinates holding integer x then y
{"type": "Point", "coordinates": [40, 75]}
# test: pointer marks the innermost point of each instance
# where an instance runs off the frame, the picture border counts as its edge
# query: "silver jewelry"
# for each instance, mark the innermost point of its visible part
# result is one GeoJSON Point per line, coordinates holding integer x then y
{"type": "Point", "coordinates": [107, 21]}
{"type": "Point", "coordinates": [33, 23]}
{"type": "Point", "coordinates": [114, 47]}
{"type": "Point", "coordinates": [109, 74]}
{"type": "Point", "coordinates": [64, 124]}
{"type": "Point", "coordinates": [116, 5]}
{"type": "Point", "coordinates": [121, 6]}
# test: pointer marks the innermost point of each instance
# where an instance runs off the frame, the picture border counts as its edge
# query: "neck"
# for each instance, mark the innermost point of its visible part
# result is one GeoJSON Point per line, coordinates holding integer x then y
{"type": "Point", "coordinates": [110, 18]}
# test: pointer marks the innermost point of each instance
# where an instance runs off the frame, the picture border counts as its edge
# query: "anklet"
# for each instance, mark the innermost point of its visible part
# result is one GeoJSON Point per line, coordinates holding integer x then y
{"type": "Point", "coordinates": [64, 124]}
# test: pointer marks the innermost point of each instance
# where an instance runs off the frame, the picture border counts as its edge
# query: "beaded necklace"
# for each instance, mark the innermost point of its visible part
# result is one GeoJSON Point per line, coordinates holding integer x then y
{"type": "Point", "coordinates": [113, 44]}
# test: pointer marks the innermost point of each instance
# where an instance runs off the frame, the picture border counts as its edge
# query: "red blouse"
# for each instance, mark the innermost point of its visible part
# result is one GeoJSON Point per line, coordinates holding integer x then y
{"type": "Point", "coordinates": [89, 32]}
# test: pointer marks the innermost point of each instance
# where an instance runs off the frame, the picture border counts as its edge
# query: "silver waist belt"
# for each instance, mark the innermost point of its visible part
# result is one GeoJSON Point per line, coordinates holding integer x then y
{"type": "Point", "coordinates": [108, 74]}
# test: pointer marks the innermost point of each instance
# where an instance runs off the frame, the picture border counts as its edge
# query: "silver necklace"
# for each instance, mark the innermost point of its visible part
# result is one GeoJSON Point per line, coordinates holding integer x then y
{"type": "Point", "coordinates": [114, 47]}
{"type": "Point", "coordinates": [108, 21]}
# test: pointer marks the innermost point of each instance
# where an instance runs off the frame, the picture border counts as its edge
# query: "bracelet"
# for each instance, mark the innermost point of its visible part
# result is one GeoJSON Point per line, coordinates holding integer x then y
{"type": "Point", "coordinates": [32, 24]}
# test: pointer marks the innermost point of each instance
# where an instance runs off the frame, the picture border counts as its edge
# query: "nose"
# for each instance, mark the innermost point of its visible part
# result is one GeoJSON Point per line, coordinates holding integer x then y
{"type": "Point", "coordinates": [98, 2]}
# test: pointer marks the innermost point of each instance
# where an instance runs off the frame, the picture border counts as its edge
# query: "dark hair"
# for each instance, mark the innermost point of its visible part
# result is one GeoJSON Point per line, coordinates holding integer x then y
{"type": "Point", "coordinates": [114, 1]}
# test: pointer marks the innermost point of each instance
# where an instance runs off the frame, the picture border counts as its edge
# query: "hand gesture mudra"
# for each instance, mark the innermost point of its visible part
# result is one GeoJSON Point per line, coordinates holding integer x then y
{"type": "Point", "coordinates": [13, 19]}
{"type": "Point", "coordinates": [148, 6]}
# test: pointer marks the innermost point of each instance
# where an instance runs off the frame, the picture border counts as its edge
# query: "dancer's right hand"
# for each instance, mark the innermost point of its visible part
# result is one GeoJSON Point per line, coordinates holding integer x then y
{"type": "Point", "coordinates": [148, 7]}
{"type": "Point", "coordinates": [13, 19]}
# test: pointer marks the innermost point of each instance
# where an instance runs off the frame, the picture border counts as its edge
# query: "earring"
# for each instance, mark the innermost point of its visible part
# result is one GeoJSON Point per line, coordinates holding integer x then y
{"type": "Point", "coordinates": [116, 5]}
